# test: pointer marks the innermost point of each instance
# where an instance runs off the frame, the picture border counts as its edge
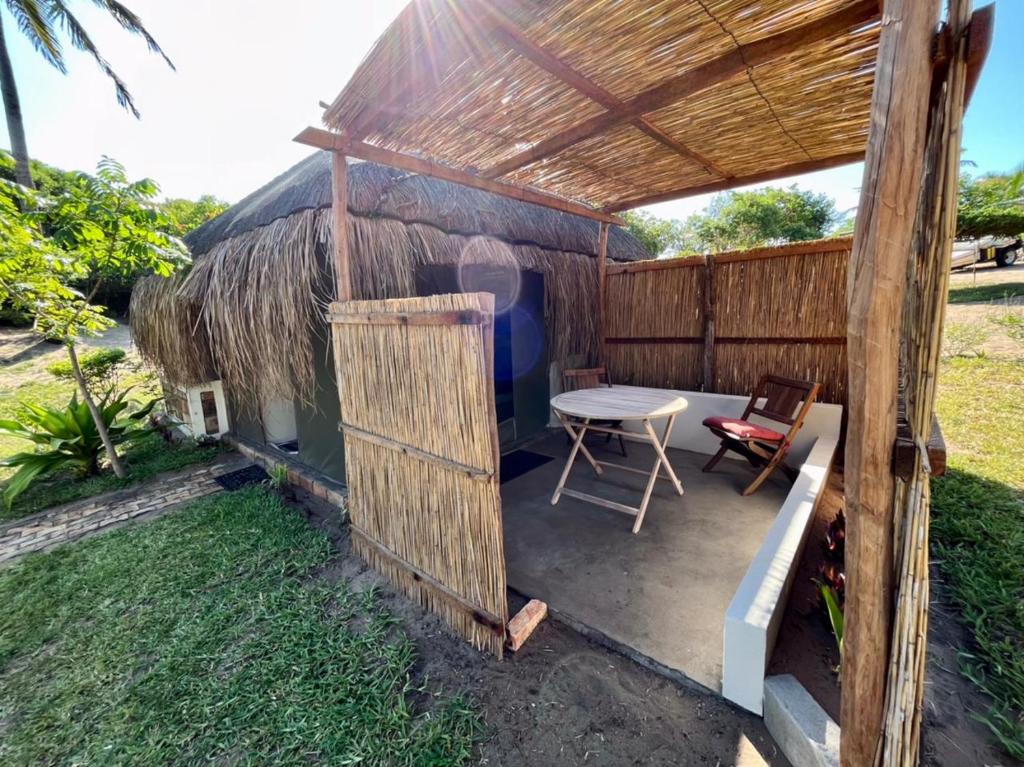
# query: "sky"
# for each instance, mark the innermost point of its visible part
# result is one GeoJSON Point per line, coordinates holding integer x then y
{"type": "Point", "coordinates": [249, 77]}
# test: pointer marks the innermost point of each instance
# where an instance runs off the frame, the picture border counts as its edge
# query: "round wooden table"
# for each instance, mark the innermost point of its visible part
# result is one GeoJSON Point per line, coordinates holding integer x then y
{"type": "Point", "coordinates": [577, 410]}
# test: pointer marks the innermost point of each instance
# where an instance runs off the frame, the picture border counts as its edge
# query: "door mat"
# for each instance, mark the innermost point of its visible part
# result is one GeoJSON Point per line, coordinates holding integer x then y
{"type": "Point", "coordinates": [518, 462]}
{"type": "Point", "coordinates": [236, 480]}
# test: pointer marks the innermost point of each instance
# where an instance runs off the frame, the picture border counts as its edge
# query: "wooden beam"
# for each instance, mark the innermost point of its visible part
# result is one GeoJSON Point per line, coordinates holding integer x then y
{"type": "Point", "coordinates": [339, 209]}
{"type": "Point", "coordinates": [602, 281]}
{"type": "Point", "coordinates": [739, 340]}
{"type": "Point", "coordinates": [506, 30]}
{"type": "Point", "coordinates": [697, 79]}
{"type": "Point", "coordinates": [979, 43]}
{"type": "Point", "coordinates": [708, 384]}
{"type": "Point", "coordinates": [876, 286]}
{"type": "Point", "coordinates": [439, 590]}
{"type": "Point", "coordinates": [806, 166]}
{"type": "Point", "coordinates": [455, 317]}
{"type": "Point", "coordinates": [353, 432]}
{"type": "Point", "coordinates": [337, 143]}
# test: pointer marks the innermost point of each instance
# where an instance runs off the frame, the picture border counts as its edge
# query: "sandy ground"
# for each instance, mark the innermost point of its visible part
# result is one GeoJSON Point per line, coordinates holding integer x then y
{"type": "Point", "coordinates": [993, 340]}
{"type": "Point", "coordinates": [563, 699]}
{"type": "Point", "coordinates": [23, 354]}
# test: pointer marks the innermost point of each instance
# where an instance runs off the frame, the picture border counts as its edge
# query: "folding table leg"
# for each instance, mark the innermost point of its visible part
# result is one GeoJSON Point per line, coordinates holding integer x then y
{"type": "Point", "coordinates": [642, 509]}
{"type": "Point", "coordinates": [567, 424]}
{"type": "Point", "coordinates": [659, 448]}
{"type": "Point", "coordinates": [572, 456]}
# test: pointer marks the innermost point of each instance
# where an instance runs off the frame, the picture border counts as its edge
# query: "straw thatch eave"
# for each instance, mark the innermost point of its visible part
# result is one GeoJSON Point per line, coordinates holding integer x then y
{"type": "Point", "coordinates": [380, 191]}
{"type": "Point", "coordinates": [249, 308]}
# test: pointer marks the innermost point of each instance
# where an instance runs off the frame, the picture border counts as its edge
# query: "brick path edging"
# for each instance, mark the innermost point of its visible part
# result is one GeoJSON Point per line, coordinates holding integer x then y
{"type": "Point", "coordinates": [308, 479]}
{"type": "Point", "coordinates": [63, 524]}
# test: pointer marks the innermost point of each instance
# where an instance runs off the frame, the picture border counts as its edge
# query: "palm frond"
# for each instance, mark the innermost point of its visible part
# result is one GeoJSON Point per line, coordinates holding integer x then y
{"type": "Point", "coordinates": [35, 20]}
{"type": "Point", "coordinates": [81, 40]}
{"type": "Point", "coordinates": [132, 23]}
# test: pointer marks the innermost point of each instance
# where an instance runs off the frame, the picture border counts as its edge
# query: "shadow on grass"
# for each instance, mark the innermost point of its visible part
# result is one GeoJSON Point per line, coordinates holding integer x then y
{"type": "Point", "coordinates": [978, 542]}
{"type": "Point", "coordinates": [986, 293]}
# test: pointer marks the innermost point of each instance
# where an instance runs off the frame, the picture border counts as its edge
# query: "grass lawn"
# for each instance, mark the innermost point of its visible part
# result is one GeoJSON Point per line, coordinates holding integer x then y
{"type": "Point", "coordinates": [978, 527]}
{"type": "Point", "coordinates": [206, 637]}
{"type": "Point", "coordinates": [987, 293]}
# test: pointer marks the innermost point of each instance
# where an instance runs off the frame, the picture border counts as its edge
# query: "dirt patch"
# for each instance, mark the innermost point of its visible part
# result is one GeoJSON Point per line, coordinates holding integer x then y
{"type": "Point", "coordinates": [951, 736]}
{"type": "Point", "coordinates": [805, 646]}
{"type": "Point", "coordinates": [563, 699]}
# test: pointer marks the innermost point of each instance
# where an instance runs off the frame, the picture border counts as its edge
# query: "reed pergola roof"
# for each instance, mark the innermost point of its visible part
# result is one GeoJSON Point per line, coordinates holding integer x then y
{"type": "Point", "coordinates": [613, 105]}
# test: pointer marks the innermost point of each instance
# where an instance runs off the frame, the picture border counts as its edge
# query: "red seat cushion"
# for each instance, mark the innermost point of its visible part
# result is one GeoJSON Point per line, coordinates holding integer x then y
{"type": "Point", "coordinates": [743, 429]}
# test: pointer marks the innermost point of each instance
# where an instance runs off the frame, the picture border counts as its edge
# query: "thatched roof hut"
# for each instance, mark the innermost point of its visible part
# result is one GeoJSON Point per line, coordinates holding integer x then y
{"type": "Point", "coordinates": [250, 311]}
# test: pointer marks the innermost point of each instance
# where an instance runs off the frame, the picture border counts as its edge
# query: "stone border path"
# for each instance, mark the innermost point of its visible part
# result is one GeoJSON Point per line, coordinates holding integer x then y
{"type": "Point", "coordinates": [63, 524]}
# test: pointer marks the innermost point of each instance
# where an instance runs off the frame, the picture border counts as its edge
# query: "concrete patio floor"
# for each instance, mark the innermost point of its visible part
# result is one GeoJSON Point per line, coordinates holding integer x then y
{"type": "Point", "coordinates": [660, 595]}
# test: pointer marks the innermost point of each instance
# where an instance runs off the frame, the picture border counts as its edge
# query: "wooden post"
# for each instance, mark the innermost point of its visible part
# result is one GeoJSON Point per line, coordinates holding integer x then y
{"type": "Point", "coordinates": [602, 275]}
{"type": "Point", "coordinates": [877, 282]}
{"type": "Point", "coordinates": [339, 206]}
{"type": "Point", "coordinates": [709, 322]}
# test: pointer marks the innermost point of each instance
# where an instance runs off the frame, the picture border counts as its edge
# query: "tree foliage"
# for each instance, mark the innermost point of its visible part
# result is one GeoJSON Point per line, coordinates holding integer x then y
{"type": "Point", "coordinates": [106, 226]}
{"type": "Point", "coordinates": [657, 235]}
{"type": "Point", "coordinates": [186, 215]}
{"type": "Point", "coordinates": [103, 225]}
{"type": "Point", "coordinates": [990, 206]}
{"type": "Point", "coordinates": [769, 216]}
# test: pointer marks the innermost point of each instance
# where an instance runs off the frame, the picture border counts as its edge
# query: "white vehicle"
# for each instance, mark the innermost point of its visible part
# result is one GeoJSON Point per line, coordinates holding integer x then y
{"type": "Point", "coordinates": [1005, 251]}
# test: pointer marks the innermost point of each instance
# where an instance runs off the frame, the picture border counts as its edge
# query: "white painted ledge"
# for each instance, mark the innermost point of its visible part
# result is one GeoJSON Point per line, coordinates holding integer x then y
{"type": "Point", "coordinates": [803, 730]}
{"type": "Point", "coordinates": [753, 618]}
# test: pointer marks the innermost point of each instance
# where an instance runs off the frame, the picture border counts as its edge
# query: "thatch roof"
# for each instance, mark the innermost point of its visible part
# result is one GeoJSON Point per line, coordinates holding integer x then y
{"type": "Point", "coordinates": [377, 191]}
{"type": "Point", "coordinates": [617, 104]}
{"type": "Point", "coordinates": [247, 311]}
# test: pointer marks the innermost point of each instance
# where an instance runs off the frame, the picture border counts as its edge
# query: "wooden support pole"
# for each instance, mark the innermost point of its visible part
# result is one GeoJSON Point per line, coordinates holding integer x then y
{"type": "Point", "coordinates": [602, 279]}
{"type": "Point", "coordinates": [876, 285]}
{"type": "Point", "coordinates": [339, 207]}
{"type": "Point", "coordinates": [709, 322]}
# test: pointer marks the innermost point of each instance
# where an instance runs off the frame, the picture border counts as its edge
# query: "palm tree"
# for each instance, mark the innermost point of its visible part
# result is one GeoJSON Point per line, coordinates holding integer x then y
{"type": "Point", "coordinates": [42, 22]}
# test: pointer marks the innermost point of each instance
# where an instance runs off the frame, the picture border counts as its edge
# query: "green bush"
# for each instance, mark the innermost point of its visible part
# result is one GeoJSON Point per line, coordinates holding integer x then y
{"type": "Point", "coordinates": [67, 438]}
{"type": "Point", "coordinates": [99, 367]}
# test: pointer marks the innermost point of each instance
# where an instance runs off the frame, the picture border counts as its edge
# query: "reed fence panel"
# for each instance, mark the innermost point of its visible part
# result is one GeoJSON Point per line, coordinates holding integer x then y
{"type": "Point", "coordinates": [719, 323]}
{"type": "Point", "coordinates": [416, 388]}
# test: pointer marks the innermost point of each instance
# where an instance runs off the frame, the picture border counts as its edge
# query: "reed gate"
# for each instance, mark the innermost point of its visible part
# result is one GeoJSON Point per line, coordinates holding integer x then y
{"type": "Point", "coordinates": [718, 323]}
{"type": "Point", "coordinates": [416, 385]}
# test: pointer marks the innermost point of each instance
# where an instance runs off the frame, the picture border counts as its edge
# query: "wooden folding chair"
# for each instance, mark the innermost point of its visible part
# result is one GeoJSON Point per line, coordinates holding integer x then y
{"type": "Point", "coordinates": [574, 379]}
{"type": "Point", "coordinates": [786, 401]}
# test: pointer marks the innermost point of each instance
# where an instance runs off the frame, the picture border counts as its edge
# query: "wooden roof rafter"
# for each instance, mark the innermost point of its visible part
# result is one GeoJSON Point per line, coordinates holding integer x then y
{"type": "Point", "coordinates": [717, 70]}
{"type": "Point", "coordinates": [336, 142]}
{"type": "Point", "coordinates": [606, 106]}
{"type": "Point", "coordinates": [507, 31]}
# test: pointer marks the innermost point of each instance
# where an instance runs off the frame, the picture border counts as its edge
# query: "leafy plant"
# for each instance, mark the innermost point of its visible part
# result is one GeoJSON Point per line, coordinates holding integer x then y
{"type": "Point", "coordinates": [99, 367]}
{"type": "Point", "coordinates": [835, 612]}
{"type": "Point", "coordinates": [68, 437]}
{"type": "Point", "coordinates": [101, 225]}
{"type": "Point", "coordinates": [278, 477]}
{"type": "Point", "coordinates": [832, 577]}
